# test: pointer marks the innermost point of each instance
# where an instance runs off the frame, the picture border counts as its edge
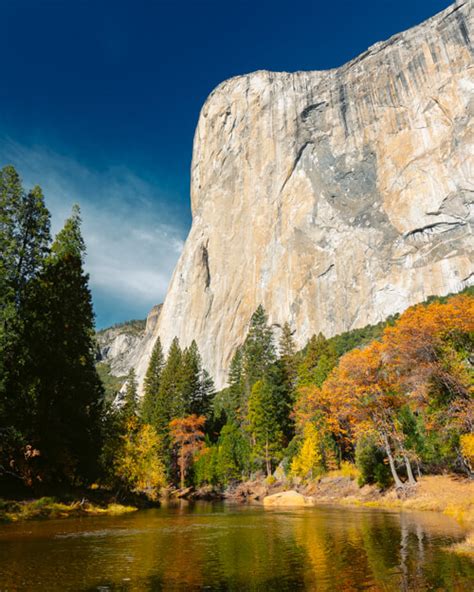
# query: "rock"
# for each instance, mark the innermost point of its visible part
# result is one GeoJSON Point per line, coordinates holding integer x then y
{"type": "Point", "coordinates": [121, 346]}
{"type": "Point", "coordinates": [334, 198]}
{"type": "Point", "coordinates": [287, 499]}
{"type": "Point", "coordinates": [279, 473]}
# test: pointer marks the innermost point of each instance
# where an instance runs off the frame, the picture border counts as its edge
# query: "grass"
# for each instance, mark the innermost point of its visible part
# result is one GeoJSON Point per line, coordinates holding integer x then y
{"type": "Point", "coordinates": [48, 507]}
{"type": "Point", "coordinates": [347, 470]}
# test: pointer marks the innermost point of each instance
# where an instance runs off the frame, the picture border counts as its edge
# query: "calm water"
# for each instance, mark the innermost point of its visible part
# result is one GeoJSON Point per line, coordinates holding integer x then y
{"type": "Point", "coordinates": [222, 547]}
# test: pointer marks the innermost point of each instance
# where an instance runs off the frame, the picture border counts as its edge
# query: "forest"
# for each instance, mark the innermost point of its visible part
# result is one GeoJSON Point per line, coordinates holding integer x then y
{"type": "Point", "coordinates": [387, 403]}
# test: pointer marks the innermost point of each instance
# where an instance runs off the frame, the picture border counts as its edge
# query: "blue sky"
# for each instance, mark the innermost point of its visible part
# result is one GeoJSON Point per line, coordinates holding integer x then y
{"type": "Point", "coordinates": [99, 101]}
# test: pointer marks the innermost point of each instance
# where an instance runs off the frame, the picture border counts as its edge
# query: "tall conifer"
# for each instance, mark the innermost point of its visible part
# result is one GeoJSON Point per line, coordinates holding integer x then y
{"type": "Point", "coordinates": [151, 407]}
{"type": "Point", "coordinates": [68, 394]}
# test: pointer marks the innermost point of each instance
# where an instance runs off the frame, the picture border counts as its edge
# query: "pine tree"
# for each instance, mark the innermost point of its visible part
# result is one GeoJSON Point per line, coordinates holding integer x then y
{"type": "Point", "coordinates": [287, 350]}
{"type": "Point", "coordinates": [170, 397]}
{"type": "Point", "coordinates": [24, 243]}
{"type": "Point", "coordinates": [258, 350]}
{"type": "Point", "coordinates": [203, 403]}
{"type": "Point", "coordinates": [191, 373]}
{"type": "Point", "coordinates": [319, 359]}
{"type": "Point", "coordinates": [265, 432]}
{"type": "Point", "coordinates": [151, 403]}
{"type": "Point", "coordinates": [234, 395]}
{"type": "Point", "coordinates": [233, 457]}
{"type": "Point", "coordinates": [62, 383]}
{"type": "Point", "coordinates": [24, 235]}
{"type": "Point", "coordinates": [130, 399]}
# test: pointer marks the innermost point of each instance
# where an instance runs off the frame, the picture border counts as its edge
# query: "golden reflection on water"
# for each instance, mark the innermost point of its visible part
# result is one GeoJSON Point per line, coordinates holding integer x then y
{"type": "Point", "coordinates": [222, 547]}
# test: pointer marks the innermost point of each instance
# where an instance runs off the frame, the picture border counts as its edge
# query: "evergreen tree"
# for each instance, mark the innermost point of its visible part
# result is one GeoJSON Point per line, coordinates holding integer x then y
{"type": "Point", "coordinates": [151, 402]}
{"type": "Point", "coordinates": [24, 243]}
{"type": "Point", "coordinates": [287, 350]}
{"type": "Point", "coordinates": [319, 359]}
{"type": "Point", "coordinates": [170, 397]}
{"type": "Point", "coordinates": [130, 400]}
{"type": "Point", "coordinates": [283, 397]}
{"type": "Point", "coordinates": [191, 374]}
{"type": "Point", "coordinates": [233, 456]}
{"type": "Point", "coordinates": [265, 433]}
{"type": "Point", "coordinates": [202, 403]}
{"type": "Point", "coordinates": [230, 400]}
{"type": "Point", "coordinates": [61, 379]}
{"type": "Point", "coordinates": [24, 235]}
{"type": "Point", "coordinates": [258, 350]}
{"type": "Point", "coordinates": [196, 386]}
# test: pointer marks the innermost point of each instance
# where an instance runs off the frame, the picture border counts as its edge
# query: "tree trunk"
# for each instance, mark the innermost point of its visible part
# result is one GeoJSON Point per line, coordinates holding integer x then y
{"type": "Point", "coordinates": [181, 470]}
{"type": "Point", "coordinates": [267, 460]}
{"type": "Point", "coordinates": [388, 450]}
{"type": "Point", "coordinates": [411, 478]}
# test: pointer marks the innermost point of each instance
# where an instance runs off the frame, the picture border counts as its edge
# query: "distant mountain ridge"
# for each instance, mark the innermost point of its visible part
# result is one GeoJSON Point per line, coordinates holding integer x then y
{"type": "Point", "coordinates": [119, 346]}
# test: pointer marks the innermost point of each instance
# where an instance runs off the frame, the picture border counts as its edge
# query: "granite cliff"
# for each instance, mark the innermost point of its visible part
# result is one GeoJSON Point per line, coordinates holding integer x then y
{"type": "Point", "coordinates": [334, 198]}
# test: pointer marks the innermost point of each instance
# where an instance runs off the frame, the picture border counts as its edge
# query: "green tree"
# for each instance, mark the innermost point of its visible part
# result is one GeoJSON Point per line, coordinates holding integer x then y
{"type": "Point", "coordinates": [265, 433]}
{"type": "Point", "coordinates": [130, 399]}
{"type": "Point", "coordinates": [197, 385]}
{"type": "Point", "coordinates": [371, 462]}
{"type": "Point", "coordinates": [24, 243]}
{"type": "Point", "coordinates": [24, 234]}
{"type": "Point", "coordinates": [170, 393]}
{"type": "Point", "coordinates": [230, 400]}
{"type": "Point", "coordinates": [287, 351]}
{"type": "Point", "coordinates": [319, 359]}
{"type": "Point", "coordinates": [233, 454]}
{"type": "Point", "coordinates": [151, 408]}
{"type": "Point", "coordinates": [60, 379]}
{"type": "Point", "coordinates": [258, 350]}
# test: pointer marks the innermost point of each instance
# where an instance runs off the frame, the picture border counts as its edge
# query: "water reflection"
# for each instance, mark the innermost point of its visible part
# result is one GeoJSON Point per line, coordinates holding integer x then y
{"type": "Point", "coordinates": [218, 547]}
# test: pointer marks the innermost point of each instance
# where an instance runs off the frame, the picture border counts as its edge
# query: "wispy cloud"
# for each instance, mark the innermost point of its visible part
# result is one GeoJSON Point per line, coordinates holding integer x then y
{"type": "Point", "coordinates": [133, 233]}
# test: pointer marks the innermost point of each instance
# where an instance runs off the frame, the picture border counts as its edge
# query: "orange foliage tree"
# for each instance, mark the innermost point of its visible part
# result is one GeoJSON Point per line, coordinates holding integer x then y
{"type": "Point", "coordinates": [424, 354]}
{"type": "Point", "coordinates": [420, 363]}
{"type": "Point", "coordinates": [187, 435]}
{"type": "Point", "coordinates": [364, 400]}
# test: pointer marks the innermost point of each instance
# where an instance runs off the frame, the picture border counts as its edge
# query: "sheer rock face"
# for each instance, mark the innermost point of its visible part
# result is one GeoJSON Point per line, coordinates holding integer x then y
{"type": "Point", "coordinates": [333, 198]}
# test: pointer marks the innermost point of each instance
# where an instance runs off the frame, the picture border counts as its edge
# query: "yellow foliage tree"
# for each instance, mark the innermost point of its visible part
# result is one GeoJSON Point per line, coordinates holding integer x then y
{"type": "Point", "coordinates": [467, 450]}
{"type": "Point", "coordinates": [139, 462]}
{"type": "Point", "coordinates": [309, 461]}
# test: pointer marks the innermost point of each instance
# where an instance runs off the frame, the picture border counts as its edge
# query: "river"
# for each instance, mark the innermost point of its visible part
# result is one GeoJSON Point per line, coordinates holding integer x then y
{"type": "Point", "coordinates": [206, 546]}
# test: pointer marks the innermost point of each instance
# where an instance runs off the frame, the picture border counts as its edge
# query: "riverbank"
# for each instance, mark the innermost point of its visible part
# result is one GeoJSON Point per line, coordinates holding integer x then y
{"type": "Point", "coordinates": [448, 494]}
{"type": "Point", "coordinates": [48, 507]}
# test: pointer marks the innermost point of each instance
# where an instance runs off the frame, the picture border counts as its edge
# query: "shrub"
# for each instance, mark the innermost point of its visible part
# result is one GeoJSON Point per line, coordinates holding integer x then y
{"type": "Point", "coordinates": [370, 461]}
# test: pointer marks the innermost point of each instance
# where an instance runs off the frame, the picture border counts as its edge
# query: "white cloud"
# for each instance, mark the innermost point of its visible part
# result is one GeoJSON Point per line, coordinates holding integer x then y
{"type": "Point", "coordinates": [133, 233]}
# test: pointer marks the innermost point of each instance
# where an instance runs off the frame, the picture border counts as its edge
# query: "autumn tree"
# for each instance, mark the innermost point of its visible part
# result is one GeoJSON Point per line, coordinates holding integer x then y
{"type": "Point", "coordinates": [187, 436]}
{"type": "Point", "coordinates": [359, 387]}
{"type": "Point", "coordinates": [308, 462]}
{"type": "Point", "coordinates": [138, 461]}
